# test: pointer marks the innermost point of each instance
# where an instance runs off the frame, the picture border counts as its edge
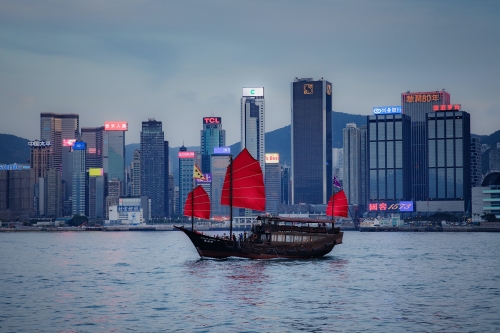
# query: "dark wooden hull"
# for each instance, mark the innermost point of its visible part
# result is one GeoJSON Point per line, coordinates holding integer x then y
{"type": "Point", "coordinates": [213, 247]}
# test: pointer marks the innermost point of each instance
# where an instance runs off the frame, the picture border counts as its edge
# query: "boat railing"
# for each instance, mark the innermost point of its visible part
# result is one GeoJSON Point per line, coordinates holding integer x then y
{"type": "Point", "coordinates": [268, 227]}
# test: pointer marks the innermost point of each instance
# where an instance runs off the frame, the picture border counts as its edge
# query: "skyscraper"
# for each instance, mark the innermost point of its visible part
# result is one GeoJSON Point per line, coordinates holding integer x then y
{"type": "Point", "coordinates": [475, 162]}
{"type": "Point", "coordinates": [93, 136]}
{"type": "Point", "coordinates": [273, 182]}
{"type": "Point", "coordinates": [78, 197]}
{"type": "Point", "coordinates": [40, 164]}
{"type": "Point", "coordinates": [114, 150]}
{"type": "Point", "coordinates": [449, 156]}
{"type": "Point", "coordinates": [186, 181]}
{"type": "Point", "coordinates": [285, 185]}
{"type": "Point", "coordinates": [212, 136]}
{"type": "Point", "coordinates": [153, 166]}
{"type": "Point", "coordinates": [253, 123]}
{"type": "Point", "coordinates": [311, 127]}
{"type": "Point", "coordinates": [220, 162]}
{"type": "Point", "coordinates": [417, 105]}
{"type": "Point", "coordinates": [352, 163]}
{"type": "Point", "coordinates": [136, 173]}
{"type": "Point", "coordinates": [56, 127]}
{"type": "Point", "coordinates": [389, 158]}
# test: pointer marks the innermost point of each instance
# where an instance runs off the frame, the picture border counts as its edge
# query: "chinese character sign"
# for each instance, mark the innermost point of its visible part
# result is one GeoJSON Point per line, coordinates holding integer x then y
{"type": "Point", "coordinates": [386, 109]}
{"type": "Point", "coordinates": [421, 98]}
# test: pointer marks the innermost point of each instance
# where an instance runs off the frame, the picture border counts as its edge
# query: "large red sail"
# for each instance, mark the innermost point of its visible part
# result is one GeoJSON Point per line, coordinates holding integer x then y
{"type": "Point", "coordinates": [201, 203]}
{"type": "Point", "coordinates": [248, 189]}
{"type": "Point", "coordinates": [339, 203]}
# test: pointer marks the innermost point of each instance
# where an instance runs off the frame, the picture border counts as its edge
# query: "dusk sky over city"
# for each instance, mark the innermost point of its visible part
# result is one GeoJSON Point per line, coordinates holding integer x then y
{"type": "Point", "coordinates": [180, 61]}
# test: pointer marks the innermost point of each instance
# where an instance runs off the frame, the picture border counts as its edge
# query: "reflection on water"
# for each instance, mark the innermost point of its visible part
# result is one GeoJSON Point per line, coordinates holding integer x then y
{"type": "Point", "coordinates": [156, 282]}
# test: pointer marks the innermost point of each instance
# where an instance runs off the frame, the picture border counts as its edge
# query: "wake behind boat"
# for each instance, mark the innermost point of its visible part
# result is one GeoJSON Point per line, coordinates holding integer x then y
{"type": "Point", "coordinates": [271, 236]}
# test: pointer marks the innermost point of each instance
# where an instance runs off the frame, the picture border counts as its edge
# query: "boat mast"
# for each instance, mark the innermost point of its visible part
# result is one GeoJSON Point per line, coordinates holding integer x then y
{"type": "Point", "coordinates": [231, 197]}
{"type": "Point", "coordinates": [192, 209]}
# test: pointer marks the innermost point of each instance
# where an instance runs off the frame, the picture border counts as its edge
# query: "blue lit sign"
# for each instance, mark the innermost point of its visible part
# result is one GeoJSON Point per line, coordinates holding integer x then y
{"type": "Point", "coordinates": [406, 206]}
{"type": "Point", "coordinates": [126, 209]}
{"type": "Point", "coordinates": [386, 109]}
{"type": "Point", "coordinates": [79, 145]}
{"type": "Point", "coordinates": [14, 166]}
{"type": "Point", "coordinates": [222, 150]}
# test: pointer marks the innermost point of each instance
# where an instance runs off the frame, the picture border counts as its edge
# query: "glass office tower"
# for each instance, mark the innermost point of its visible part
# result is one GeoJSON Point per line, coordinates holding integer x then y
{"type": "Point", "coordinates": [311, 134]}
{"type": "Point", "coordinates": [212, 136]}
{"type": "Point", "coordinates": [449, 156]}
{"type": "Point", "coordinates": [93, 136]}
{"type": "Point", "coordinates": [253, 123]}
{"type": "Point", "coordinates": [114, 153]}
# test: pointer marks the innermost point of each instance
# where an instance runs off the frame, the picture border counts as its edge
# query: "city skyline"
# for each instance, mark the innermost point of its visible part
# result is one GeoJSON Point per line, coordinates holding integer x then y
{"type": "Point", "coordinates": [130, 62]}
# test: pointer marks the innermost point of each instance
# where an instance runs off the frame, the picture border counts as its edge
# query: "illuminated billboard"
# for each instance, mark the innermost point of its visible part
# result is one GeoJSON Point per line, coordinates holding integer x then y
{"type": "Point", "coordinates": [253, 92]}
{"type": "Point", "coordinates": [79, 145]}
{"type": "Point", "coordinates": [37, 143]}
{"type": "Point", "coordinates": [391, 206]}
{"type": "Point", "coordinates": [212, 120]}
{"type": "Point", "coordinates": [116, 126]}
{"type": "Point", "coordinates": [96, 172]}
{"type": "Point", "coordinates": [14, 167]}
{"type": "Point", "coordinates": [68, 142]}
{"type": "Point", "coordinates": [421, 97]}
{"type": "Point", "coordinates": [208, 177]}
{"type": "Point", "coordinates": [222, 150]}
{"type": "Point", "coordinates": [447, 107]}
{"type": "Point", "coordinates": [272, 158]}
{"type": "Point", "coordinates": [186, 154]}
{"type": "Point", "coordinates": [386, 109]}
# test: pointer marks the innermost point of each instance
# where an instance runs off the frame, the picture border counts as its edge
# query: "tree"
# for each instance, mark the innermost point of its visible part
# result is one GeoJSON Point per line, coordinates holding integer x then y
{"type": "Point", "coordinates": [489, 217]}
{"type": "Point", "coordinates": [77, 220]}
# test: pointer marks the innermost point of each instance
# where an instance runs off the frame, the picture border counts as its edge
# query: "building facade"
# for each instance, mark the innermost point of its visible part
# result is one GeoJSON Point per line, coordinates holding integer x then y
{"type": "Point", "coordinates": [253, 123]}
{"type": "Point", "coordinates": [273, 183]}
{"type": "Point", "coordinates": [113, 159]}
{"type": "Point", "coordinates": [449, 171]}
{"type": "Point", "coordinates": [220, 162]}
{"type": "Point", "coordinates": [351, 136]}
{"type": "Point", "coordinates": [212, 136]}
{"type": "Point", "coordinates": [417, 105]}
{"type": "Point", "coordinates": [311, 135]}
{"type": "Point", "coordinates": [476, 162]}
{"type": "Point", "coordinates": [93, 136]}
{"type": "Point", "coordinates": [389, 158]}
{"type": "Point", "coordinates": [186, 181]}
{"type": "Point", "coordinates": [79, 179]}
{"type": "Point", "coordinates": [55, 128]}
{"type": "Point", "coordinates": [153, 165]}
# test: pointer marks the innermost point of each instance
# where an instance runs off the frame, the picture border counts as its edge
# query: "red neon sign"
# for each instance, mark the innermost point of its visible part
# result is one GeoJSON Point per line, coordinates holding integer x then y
{"type": "Point", "coordinates": [447, 107]}
{"type": "Point", "coordinates": [68, 142]}
{"type": "Point", "coordinates": [212, 120]}
{"type": "Point", "coordinates": [186, 154]}
{"type": "Point", "coordinates": [116, 126]}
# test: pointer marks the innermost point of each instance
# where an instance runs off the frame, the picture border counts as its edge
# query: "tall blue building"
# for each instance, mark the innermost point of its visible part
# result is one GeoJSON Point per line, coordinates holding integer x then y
{"type": "Point", "coordinates": [311, 134]}
{"type": "Point", "coordinates": [417, 105]}
{"type": "Point", "coordinates": [449, 170]}
{"type": "Point", "coordinates": [114, 150]}
{"type": "Point", "coordinates": [212, 136]}
{"type": "Point", "coordinates": [389, 158]}
{"type": "Point", "coordinates": [79, 179]}
{"type": "Point", "coordinates": [152, 166]}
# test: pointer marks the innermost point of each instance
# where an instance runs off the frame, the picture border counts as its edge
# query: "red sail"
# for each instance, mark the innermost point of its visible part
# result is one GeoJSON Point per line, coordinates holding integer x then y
{"type": "Point", "coordinates": [201, 203]}
{"type": "Point", "coordinates": [339, 201]}
{"type": "Point", "coordinates": [248, 183]}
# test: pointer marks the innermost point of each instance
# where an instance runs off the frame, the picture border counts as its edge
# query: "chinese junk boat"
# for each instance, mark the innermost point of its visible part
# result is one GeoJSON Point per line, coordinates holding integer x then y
{"type": "Point", "coordinates": [271, 236]}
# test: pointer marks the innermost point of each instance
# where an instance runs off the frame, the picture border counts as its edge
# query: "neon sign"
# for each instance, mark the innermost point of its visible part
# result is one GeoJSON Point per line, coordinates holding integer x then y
{"type": "Point", "coordinates": [386, 109]}
{"type": "Point", "coordinates": [448, 107]}
{"type": "Point", "coordinates": [402, 206]}
{"type": "Point", "coordinates": [212, 120]}
{"type": "Point", "coordinates": [37, 143]}
{"type": "Point", "coordinates": [222, 150]}
{"type": "Point", "coordinates": [421, 98]}
{"type": "Point", "coordinates": [68, 142]}
{"type": "Point", "coordinates": [186, 154]}
{"type": "Point", "coordinates": [116, 126]}
{"type": "Point", "coordinates": [79, 145]}
{"type": "Point", "coordinates": [272, 158]}
{"type": "Point", "coordinates": [253, 92]}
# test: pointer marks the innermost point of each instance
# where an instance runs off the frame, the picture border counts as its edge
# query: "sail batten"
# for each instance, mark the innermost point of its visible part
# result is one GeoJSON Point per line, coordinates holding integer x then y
{"type": "Point", "coordinates": [337, 205]}
{"type": "Point", "coordinates": [248, 189]}
{"type": "Point", "coordinates": [201, 206]}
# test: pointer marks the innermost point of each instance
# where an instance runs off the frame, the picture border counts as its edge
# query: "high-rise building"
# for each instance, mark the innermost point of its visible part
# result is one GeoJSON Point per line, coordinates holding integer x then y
{"type": "Point", "coordinates": [273, 182]}
{"type": "Point", "coordinates": [93, 136]}
{"type": "Point", "coordinates": [166, 172]}
{"type": "Point", "coordinates": [475, 162]}
{"type": "Point", "coordinates": [220, 162]}
{"type": "Point", "coordinates": [153, 161]}
{"type": "Point", "coordinates": [171, 195]}
{"type": "Point", "coordinates": [186, 181]}
{"type": "Point", "coordinates": [136, 173]}
{"type": "Point", "coordinates": [114, 150]}
{"type": "Point", "coordinates": [53, 194]}
{"type": "Point", "coordinates": [96, 197]}
{"type": "Point", "coordinates": [16, 194]}
{"type": "Point", "coordinates": [352, 163]}
{"type": "Point", "coordinates": [417, 105]}
{"type": "Point", "coordinates": [212, 136]}
{"type": "Point", "coordinates": [40, 164]}
{"type": "Point", "coordinates": [56, 128]}
{"type": "Point", "coordinates": [79, 197]}
{"type": "Point", "coordinates": [338, 163]}
{"type": "Point", "coordinates": [494, 158]}
{"type": "Point", "coordinates": [389, 158]}
{"type": "Point", "coordinates": [311, 128]}
{"type": "Point", "coordinates": [449, 170]}
{"type": "Point", "coordinates": [114, 191]}
{"type": "Point", "coordinates": [253, 123]}
{"type": "Point", "coordinates": [286, 193]}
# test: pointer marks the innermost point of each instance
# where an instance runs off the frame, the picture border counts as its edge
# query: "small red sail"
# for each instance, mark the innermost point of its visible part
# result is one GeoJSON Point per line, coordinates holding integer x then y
{"type": "Point", "coordinates": [248, 189]}
{"type": "Point", "coordinates": [201, 203]}
{"type": "Point", "coordinates": [339, 203]}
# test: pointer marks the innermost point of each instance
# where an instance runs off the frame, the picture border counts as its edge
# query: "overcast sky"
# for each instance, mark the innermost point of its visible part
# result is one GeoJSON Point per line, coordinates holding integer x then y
{"type": "Point", "coordinates": [178, 61]}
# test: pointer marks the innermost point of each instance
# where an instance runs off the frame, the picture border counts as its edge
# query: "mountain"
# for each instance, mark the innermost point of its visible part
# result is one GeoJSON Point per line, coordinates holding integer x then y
{"type": "Point", "coordinates": [491, 140]}
{"type": "Point", "coordinates": [14, 149]}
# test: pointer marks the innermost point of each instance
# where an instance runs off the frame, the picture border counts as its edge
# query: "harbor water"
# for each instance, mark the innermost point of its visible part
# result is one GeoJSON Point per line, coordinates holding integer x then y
{"type": "Point", "coordinates": [156, 282]}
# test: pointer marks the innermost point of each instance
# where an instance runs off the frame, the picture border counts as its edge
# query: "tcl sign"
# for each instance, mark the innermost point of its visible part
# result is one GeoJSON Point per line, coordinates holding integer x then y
{"type": "Point", "coordinates": [116, 126]}
{"type": "Point", "coordinates": [212, 120]}
{"type": "Point", "coordinates": [186, 154]}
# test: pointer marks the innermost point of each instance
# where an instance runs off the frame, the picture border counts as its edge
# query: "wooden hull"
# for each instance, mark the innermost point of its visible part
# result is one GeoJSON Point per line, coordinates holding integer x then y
{"type": "Point", "coordinates": [213, 247]}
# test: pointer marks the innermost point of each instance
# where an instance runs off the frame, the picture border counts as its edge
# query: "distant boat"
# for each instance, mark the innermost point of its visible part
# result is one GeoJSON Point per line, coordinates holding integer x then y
{"type": "Point", "coordinates": [271, 236]}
